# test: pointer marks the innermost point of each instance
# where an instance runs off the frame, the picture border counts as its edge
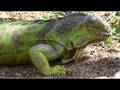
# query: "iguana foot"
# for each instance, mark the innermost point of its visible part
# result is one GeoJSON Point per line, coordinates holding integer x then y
{"type": "Point", "coordinates": [57, 70]}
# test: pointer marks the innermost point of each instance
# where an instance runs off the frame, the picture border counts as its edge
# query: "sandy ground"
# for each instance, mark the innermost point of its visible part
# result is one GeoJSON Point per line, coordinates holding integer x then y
{"type": "Point", "coordinates": [100, 60]}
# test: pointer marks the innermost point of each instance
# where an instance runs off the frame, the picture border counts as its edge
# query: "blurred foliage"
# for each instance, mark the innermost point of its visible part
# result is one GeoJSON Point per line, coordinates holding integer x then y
{"type": "Point", "coordinates": [108, 41]}
{"type": "Point", "coordinates": [116, 32]}
{"type": "Point", "coordinates": [118, 13]}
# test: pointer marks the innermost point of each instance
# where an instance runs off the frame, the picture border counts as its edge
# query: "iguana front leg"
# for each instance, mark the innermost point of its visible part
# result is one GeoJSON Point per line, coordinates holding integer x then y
{"type": "Point", "coordinates": [41, 54]}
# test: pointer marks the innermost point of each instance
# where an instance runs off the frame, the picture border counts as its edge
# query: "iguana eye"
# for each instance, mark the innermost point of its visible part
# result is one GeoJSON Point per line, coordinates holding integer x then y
{"type": "Point", "coordinates": [96, 24]}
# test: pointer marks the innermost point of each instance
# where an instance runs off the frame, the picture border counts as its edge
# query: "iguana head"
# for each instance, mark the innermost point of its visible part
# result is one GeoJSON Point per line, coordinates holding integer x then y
{"type": "Point", "coordinates": [98, 28]}
{"type": "Point", "coordinates": [90, 29]}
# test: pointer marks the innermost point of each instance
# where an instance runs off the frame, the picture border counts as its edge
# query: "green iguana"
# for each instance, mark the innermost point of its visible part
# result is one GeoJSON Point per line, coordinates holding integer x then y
{"type": "Point", "coordinates": [39, 42]}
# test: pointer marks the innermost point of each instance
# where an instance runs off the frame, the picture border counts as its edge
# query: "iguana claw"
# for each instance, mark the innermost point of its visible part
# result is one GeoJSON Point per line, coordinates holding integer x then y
{"type": "Point", "coordinates": [68, 72]}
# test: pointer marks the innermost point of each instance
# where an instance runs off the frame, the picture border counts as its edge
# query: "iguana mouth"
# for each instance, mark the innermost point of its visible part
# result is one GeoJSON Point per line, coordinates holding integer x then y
{"type": "Point", "coordinates": [104, 35]}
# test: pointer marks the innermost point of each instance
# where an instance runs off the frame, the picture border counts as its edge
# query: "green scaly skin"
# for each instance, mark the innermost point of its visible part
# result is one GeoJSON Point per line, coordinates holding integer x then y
{"type": "Point", "coordinates": [38, 42]}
